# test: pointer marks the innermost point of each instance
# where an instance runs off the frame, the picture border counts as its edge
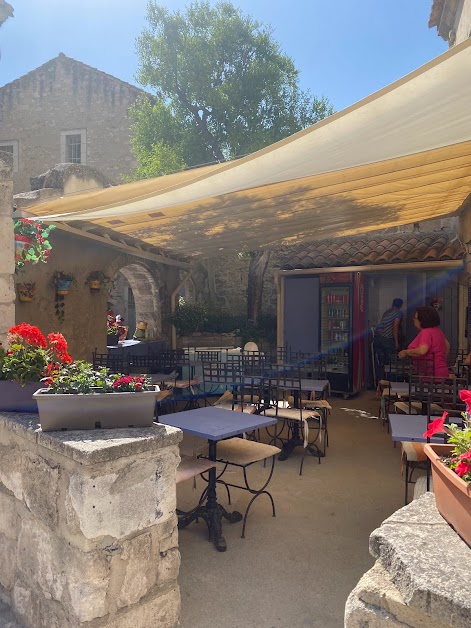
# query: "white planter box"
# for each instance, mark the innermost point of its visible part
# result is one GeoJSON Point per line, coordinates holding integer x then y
{"type": "Point", "coordinates": [96, 410]}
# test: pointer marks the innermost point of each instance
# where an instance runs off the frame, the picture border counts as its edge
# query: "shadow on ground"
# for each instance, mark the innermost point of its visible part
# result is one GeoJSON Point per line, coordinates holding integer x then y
{"type": "Point", "coordinates": [296, 570]}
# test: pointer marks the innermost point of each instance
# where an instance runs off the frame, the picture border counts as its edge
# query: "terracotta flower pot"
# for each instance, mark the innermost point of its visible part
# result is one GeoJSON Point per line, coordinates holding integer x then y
{"type": "Point", "coordinates": [25, 294]}
{"type": "Point", "coordinates": [95, 284]}
{"type": "Point", "coordinates": [22, 244]}
{"type": "Point", "coordinates": [452, 494]}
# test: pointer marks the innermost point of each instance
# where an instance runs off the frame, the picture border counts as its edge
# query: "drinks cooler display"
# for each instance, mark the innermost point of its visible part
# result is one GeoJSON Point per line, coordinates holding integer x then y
{"type": "Point", "coordinates": [336, 323]}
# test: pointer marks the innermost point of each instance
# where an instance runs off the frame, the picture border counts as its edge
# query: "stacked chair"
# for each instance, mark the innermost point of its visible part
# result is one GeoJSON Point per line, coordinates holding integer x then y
{"type": "Point", "coordinates": [429, 397]}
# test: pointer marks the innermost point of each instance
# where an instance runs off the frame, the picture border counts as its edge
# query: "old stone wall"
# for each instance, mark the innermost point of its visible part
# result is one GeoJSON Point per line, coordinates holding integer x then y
{"type": "Point", "coordinates": [66, 95]}
{"type": "Point", "coordinates": [84, 324]}
{"type": "Point", "coordinates": [421, 575]}
{"type": "Point", "coordinates": [221, 283]}
{"type": "Point", "coordinates": [463, 21]}
{"type": "Point", "coordinates": [7, 259]}
{"type": "Point", "coordinates": [88, 529]}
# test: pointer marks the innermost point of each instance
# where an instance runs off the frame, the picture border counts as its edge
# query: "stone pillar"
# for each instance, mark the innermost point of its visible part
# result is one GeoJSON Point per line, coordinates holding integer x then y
{"type": "Point", "coordinates": [7, 254]}
{"type": "Point", "coordinates": [88, 529]}
{"type": "Point", "coordinates": [421, 578]}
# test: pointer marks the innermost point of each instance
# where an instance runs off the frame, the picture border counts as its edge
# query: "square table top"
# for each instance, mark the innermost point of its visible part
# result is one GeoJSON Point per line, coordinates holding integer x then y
{"type": "Point", "coordinates": [411, 427]}
{"type": "Point", "coordinates": [215, 423]}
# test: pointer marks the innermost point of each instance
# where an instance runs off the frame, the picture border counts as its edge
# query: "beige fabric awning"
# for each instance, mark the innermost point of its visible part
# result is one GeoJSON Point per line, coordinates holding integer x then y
{"type": "Point", "coordinates": [399, 156]}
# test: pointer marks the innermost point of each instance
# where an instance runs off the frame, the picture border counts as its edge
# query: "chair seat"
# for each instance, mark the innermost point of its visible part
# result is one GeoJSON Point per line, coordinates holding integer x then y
{"type": "Point", "coordinates": [290, 414]}
{"type": "Point", "coordinates": [243, 452]}
{"type": "Point", "coordinates": [414, 452]}
{"type": "Point", "coordinates": [191, 467]}
{"type": "Point", "coordinates": [248, 408]}
{"type": "Point", "coordinates": [416, 407]}
{"type": "Point", "coordinates": [184, 383]}
{"type": "Point", "coordinates": [313, 404]}
{"type": "Point", "coordinates": [162, 394]}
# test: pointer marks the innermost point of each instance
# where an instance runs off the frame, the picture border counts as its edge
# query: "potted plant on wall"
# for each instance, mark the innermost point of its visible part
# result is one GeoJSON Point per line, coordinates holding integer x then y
{"type": "Point", "coordinates": [31, 242]}
{"type": "Point", "coordinates": [26, 291]}
{"type": "Point", "coordinates": [79, 397]}
{"type": "Point", "coordinates": [96, 279]}
{"type": "Point", "coordinates": [62, 281]}
{"type": "Point", "coordinates": [25, 363]}
{"type": "Point", "coordinates": [451, 470]}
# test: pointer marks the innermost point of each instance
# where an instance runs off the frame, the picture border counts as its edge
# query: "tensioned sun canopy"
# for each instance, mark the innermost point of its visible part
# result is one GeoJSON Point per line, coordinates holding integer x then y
{"type": "Point", "coordinates": [399, 156]}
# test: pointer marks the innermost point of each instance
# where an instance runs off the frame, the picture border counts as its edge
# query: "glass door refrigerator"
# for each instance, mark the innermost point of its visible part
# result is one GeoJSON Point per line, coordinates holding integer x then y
{"type": "Point", "coordinates": [336, 335]}
{"type": "Point", "coordinates": [343, 324]}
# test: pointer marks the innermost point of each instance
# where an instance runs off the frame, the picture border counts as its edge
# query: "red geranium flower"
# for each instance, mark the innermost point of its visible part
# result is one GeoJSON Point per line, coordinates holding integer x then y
{"type": "Point", "coordinates": [28, 334]}
{"type": "Point", "coordinates": [465, 395]}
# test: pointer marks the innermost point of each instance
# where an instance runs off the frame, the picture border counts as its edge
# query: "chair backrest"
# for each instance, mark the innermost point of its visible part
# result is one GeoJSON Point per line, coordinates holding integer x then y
{"type": "Point", "coordinates": [437, 394]}
{"type": "Point", "coordinates": [223, 373]}
{"type": "Point", "coordinates": [208, 356]}
{"type": "Point", "coordinates": [115, 362]}
{"type": "Point", "coordinates": [284, 383]}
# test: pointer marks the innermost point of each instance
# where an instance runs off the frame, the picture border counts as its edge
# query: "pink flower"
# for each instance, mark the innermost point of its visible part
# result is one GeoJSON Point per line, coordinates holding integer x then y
{"type": "Point", "coordinates": [437, 427]}
{"type": "Point", "coordinates": [465, 395]}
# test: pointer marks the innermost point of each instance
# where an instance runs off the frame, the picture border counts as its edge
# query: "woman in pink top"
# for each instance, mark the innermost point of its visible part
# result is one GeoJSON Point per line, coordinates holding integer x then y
{"type": "Point", "coordinates": [430, 342]}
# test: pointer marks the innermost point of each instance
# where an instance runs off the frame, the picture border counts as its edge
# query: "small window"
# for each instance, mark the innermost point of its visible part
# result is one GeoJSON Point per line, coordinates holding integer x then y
{"type": "Point", "coordinates": [73, 146]}
{"type": "Point", "coordinates": [11, 146]}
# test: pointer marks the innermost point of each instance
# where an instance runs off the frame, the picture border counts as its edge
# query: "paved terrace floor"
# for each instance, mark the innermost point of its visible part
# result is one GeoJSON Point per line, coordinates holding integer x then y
{"type": "Point", "coordinates": [296, 570]}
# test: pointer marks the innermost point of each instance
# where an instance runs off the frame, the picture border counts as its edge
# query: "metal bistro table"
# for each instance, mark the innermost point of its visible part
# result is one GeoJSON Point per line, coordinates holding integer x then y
{"type": "Point", "coordinates": [410, 428]}
{"type": "Point", "coordinates": [214, 424]}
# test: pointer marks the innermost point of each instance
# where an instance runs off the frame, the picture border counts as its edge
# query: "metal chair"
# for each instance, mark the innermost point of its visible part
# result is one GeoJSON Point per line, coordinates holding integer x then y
{"type": "Point", "coordinates": [284, 385]}
{"type": "Point", "coordinates": [243, 453]}
{"type": "Point", "coordinates": [115, 362]}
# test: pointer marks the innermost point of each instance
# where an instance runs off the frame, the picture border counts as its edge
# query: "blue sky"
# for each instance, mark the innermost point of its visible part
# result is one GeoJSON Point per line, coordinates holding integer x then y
{"type": "Point", "coordinates": [345, 50]}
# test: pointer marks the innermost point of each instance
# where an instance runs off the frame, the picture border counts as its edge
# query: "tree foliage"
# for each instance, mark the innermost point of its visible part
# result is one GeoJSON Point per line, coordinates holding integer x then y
{"type": "Point", "coordinates": [224, 86]}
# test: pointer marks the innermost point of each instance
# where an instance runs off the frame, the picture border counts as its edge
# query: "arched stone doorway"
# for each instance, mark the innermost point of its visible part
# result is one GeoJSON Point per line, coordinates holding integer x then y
{"type": "Point", "coordinates": [137, 298]}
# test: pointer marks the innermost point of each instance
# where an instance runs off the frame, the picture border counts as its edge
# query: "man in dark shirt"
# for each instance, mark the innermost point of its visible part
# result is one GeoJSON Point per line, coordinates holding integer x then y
{"type": "Point", "coordinates": [387, 335]}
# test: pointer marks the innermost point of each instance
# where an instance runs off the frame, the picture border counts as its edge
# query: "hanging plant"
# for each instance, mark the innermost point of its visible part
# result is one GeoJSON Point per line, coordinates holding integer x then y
{"type": "Point", "coordinates": [62, 282]}
{"type": "Point", "coordinates": [26, 291]}
{"type": "Point", "coordinates": [96, 279]}
{"type": "Point", "coordinates": [31, 242]}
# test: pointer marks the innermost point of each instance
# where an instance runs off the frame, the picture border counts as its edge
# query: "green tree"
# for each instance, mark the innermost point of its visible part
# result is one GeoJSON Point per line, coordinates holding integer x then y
{"type": "Point", "coordinates": [224, 89]}
{"type": "Point", "coordinates": [224, 76]}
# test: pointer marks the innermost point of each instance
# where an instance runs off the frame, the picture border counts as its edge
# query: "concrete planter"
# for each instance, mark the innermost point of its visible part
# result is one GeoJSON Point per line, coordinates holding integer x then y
{"type": "Point", "coordinates": [452, 494]}
{"type": "Point", "coordinates": [17, 398]}
{"type": "Point", "coordinates": [96, 410]}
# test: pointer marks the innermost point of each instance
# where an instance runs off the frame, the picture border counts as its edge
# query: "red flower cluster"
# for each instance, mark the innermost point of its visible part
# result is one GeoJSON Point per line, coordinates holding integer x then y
{"type": "Point", "coordinates": [129, 384]}
{"type": "Point", "coordinates": [58, 345]}
{"type": "Point", "coordinates": [437, 427]}
{"type": "Point", "coordinates": [464, 466]}
{"type": "Point", "coordinates": [27, 334]}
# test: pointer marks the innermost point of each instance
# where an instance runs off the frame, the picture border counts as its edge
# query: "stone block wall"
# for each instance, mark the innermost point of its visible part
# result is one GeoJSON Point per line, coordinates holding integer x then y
{"type": "Point", "coordinates": [421, 575]}
{"type": "Point", "coordinates": [66, 95]}
{"type": "Point", "coordinates": [88, 530]}
{"type": "Point", "coordinates": [7, 255]}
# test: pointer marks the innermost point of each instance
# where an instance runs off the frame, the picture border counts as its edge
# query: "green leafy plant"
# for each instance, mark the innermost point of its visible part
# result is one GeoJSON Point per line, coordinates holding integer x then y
{"type": "Point", "coordinates": [81, 378]}
{"type": "Point", "coordinates": [98, 275]}
{"type": "Point", "coordinates": [38, 248]}
{"type": "Point", "coordinates": [58, 277]}
{"type": "Point", "coordinates": [30, 354]}
{"type": "Point", "coordinates": [112, 329]}
{"type": "Point", "coordinates": [188, 317]}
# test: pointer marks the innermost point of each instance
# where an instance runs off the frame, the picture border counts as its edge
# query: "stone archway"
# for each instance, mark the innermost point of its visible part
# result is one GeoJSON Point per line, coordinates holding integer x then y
{"type": "Point", "coordinates": [145, 290]}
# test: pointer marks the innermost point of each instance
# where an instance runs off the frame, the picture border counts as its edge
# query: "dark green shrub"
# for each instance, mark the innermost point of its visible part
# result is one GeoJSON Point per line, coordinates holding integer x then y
{"type": "Point", "coordinates": [188, 317]}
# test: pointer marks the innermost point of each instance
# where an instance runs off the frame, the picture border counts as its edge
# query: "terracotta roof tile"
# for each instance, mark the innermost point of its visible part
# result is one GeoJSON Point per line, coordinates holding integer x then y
{"type": "Point", "coordinates": [378, 249]}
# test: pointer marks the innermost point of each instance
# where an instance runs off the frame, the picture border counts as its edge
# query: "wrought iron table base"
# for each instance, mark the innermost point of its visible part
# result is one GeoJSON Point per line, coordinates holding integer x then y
{"type": "Point", "coordinates": [212, 514]}
{"type": "Point", "coordinates": [296, 441]}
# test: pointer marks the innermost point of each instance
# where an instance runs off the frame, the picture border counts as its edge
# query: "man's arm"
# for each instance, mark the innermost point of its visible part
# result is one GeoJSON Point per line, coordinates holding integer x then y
{"type": "Point", "coordinates": [397, 324]}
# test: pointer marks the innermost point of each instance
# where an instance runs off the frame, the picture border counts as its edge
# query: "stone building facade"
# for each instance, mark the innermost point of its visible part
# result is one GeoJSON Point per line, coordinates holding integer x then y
{"type": "Point", "coordinates": [66, 111]}
{"type": "Point", "coordinates": [452, 18]}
